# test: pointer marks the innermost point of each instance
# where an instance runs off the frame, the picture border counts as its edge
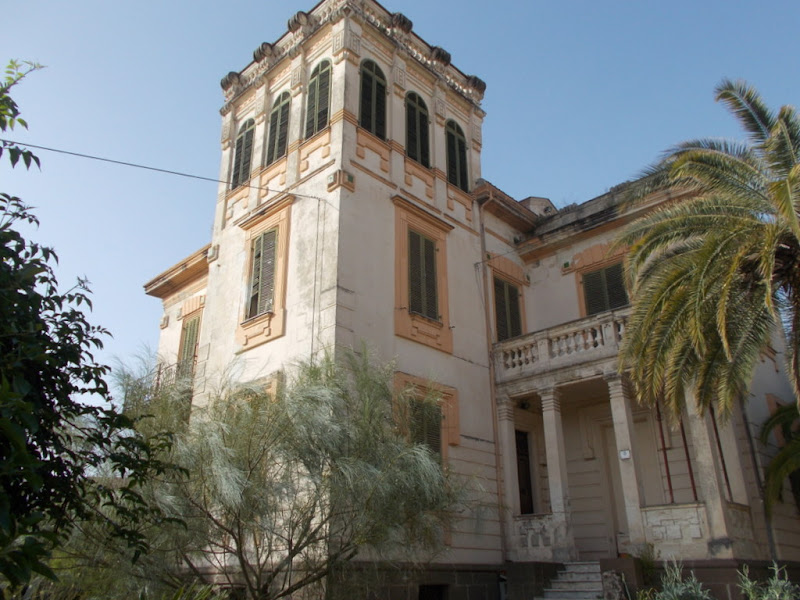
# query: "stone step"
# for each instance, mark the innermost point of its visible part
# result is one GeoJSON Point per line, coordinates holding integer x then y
{"type": "Point", "coordinates": [580, 576]}
{"type": "Point", "coordinates": [560, 584]}
{"type": "Point", "coordinates": [581, 567]}
{"type": "Point", "coordinates": [550, 594]}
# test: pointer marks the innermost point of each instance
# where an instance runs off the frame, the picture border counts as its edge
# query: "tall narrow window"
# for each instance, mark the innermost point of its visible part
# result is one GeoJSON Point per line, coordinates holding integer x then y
{"type": "Point", "coordinates": [188, 345]}
{"type": "Point", "coordinates": [278, 129]}
{"type": "Point", "coordinates": [604, 289]}
{"type": "Point", "coordinates": [506, 310]}
{"type": "Point", "coordinates": [319, 92]}
{"type": "Point", "coordinates": [417, 142]}
{"type": "Point", "coordinates": [422, 276]}
{"type": "Point", "coordinates": [524, 473]}
{"type": "Point", "coordinates": [456, 156]}
{"type": "Point", "coordinates": [243, 154]}
{"type": "Point", "coordinates": [262, 279]}
{"type": "Point", "coordinates": [426, 425]}
{"type": "Point", "coordinates": [372, 116]}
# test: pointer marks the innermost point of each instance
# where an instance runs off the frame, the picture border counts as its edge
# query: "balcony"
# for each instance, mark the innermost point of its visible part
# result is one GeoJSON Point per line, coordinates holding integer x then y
{"type": "Point", "coordinates": [571, 344]}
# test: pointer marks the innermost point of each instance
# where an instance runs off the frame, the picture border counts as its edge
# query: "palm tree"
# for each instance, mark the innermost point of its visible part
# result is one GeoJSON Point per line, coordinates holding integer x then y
{"type": "Point", "coordinates": [714, 279]}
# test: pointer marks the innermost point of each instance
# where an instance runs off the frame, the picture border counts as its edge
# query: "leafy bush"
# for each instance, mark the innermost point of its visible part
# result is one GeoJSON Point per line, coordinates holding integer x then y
{"type": "Point", "coordinates": [777, 587]}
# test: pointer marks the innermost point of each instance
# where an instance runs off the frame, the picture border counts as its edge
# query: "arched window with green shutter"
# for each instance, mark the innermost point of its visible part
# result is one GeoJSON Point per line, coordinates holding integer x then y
{"type": "Point", "coordinates": [243, 154]}
{"type": "Point", "coordinates": [372, 113]}
{"type": "Point", "coordinates": [278, 129]}
{"type": "Point", "coordinates": [456, 156]}
{"type": "Point", "coordinates": [417, 140]}
{"type": "Point", "coordinates": [319, 95]}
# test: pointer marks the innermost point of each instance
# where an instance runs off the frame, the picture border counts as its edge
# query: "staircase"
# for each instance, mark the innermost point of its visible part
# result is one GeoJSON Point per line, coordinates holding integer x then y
{"type": "Point", "coordinates": [578, 581]}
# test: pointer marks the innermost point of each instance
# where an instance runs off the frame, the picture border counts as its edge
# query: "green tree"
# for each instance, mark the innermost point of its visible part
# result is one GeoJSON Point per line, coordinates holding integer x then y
{"type": "Point", "coordinates": [290, 482]}
{"type": "Point", "coordinates": [786, 463]}
{"type": "Point", "coordinates": [52, 445]}
{"type": "Point", "coordinates": [713, 277]}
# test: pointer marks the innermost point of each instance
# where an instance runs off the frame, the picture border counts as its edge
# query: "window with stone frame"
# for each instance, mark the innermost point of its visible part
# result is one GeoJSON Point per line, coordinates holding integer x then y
{"type": "Point", "coordinates": [319, 93]}
{"type": "Point", "coordinates": [372, 110]}
{"type": "Point", "coordinates": [456, 156]}
{"type": "Point", "coordinates": [417, 136]}
{"type": "Point", "coordinates": [243, 154]}
{"type": "Point", "coordinates": [187, 350]}
{"type": "Point", "coordinates": [604, 289]}
{"type": "Point", "coordinates": [262, 278]}
{"type": "Point", "coordinates": [278, 129]}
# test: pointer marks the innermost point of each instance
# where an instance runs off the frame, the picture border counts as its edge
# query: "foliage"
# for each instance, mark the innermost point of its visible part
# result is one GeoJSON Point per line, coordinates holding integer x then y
{"type": "Point", "coordinates": [53, 446]}
{"type": "Point", "coordinates": [786, 463]}
{"type": "Point", "coordinates": [286, 486]}
{"type": "Point", "coordinates": [675, 587]}
{"type": "Point", "coordinates": [775, 588]}
{"type": "Point", "coordinates": [713, 276]}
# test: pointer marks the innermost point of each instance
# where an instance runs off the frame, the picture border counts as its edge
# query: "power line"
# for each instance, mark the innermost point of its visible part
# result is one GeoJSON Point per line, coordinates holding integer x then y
{"type": "Point", "coordinates": [148, 168]}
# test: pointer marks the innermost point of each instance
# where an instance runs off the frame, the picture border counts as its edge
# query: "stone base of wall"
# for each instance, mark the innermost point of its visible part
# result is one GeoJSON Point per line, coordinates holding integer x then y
{"type": "Point", "coordinates": [528, 580]}
{"type": "Point", "coordinates": [375, 582]}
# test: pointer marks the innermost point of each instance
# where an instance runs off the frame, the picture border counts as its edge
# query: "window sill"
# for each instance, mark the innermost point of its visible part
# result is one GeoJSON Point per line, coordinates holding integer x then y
{"type": "Point", "coordinates": [260, 329]}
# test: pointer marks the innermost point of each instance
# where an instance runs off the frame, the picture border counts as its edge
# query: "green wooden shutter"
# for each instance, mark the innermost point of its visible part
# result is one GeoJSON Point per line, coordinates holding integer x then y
{"type": "Point", "coordinates": [237, 159]}
{"type": "Point", "coordinates": [323, 97]}
{"type": "Point", "coordinates": [501, 310]}
{"type": "Point", "coordinates": [415, 304]}
{"type": "Point", "coordinates": [191, 328]}
{"type": "Point", "coordinates": [262, 281]}
{"type": "Point", "coordinates": [424, 142]}
{"type": "Point", "coordinates": [514, 315]}
{"type": "Point", "coordinates": [412, 138]}
{"type": "Point", "coordinates": [429, 279]}
{"type": "Point", "coordinates": [463, 180]}
{"type": "Point", "coordinates": [272, 140]}
{"type": "Point", "coordinates": [312, 103]}
{"type": "Point", "coordinates": [615, 287]}
{"type": "Point", "coordinates": [380, 105]}
{"type": "Point", "coordinates": [426, 426]}
{"type": "Point", "coordinates": [283, 127]}
{"type": "Point", "coordinates": [452, 156]}
{"type": "Point", "coordinates": [367, 114]}
{"type": "Point", "coordinates": [594, 292]}
{"type": "Point", "coordinates": [243, 154]}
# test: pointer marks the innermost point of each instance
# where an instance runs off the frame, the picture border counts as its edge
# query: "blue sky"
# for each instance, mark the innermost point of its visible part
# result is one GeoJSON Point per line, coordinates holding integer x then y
{"type": "Point", "coordinates": [581, 95]}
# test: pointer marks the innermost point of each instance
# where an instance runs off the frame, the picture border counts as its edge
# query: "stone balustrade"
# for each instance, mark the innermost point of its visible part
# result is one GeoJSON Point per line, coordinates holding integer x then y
{"type": "Point", "coordinates": [570, 344]}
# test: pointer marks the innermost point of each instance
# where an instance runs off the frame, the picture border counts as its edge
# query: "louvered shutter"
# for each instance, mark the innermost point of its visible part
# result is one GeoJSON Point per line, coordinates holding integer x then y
{"type": "Point", "coordinates": [415, 272]}
{"type": "Point", "coordinates": [463, 180]}
{"type": "Point", "coordinates": [262, 282]}
{"type": "Point", "coordinates": [426, 426]}
{"type": "Point", "coordinates": [452, 157]}
{"type": "Point", "coordinates": [367, 91]}
{"type": "Point", "coordinates": [500, 310]}
{"type": "Point", "coordinates": [429, 264]}
{"type": "Point", "coordinates": [191, 328]}
{"type": "Point", "coordinates": [615, 287]}
{"type": "Point", "coordinates": [283, 129]}
{"type": "Point", "coordinates": [380, 106]}
{"type": "Point", "coordinates": [311, 106]}
{"type": "Point", "coordinates": [424, 142]}
{"type": "Point", "coordinates": [247, 154]}
{"type": "Point", "coordinates": [514, 316]}
{"type": "Point", "coordinates": [272, 140]}
{"type": "Point", "coordinates": [594, 292]}
{"type": "Point", "coordinates": [267, 279]}
{"type": "Point", "coordinates": [323, 97]}
{"type": "Point", "coordinates": [412, 139]}
{"type": "Point", "coordinates": [237, 159]}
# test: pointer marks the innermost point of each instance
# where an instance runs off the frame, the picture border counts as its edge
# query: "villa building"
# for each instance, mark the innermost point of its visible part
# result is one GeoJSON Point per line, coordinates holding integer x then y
{"type": "Point", "coordinates": [356, 211]}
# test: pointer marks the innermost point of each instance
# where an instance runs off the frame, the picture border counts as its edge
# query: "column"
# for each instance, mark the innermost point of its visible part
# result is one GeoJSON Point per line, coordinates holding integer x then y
{"type": "Point", "coordinates": [564, 547]}
{"type": "Point", "coordinates": [505, 433]}
{"type": "Point", "coordinates": [624, 434]}
{"type": "Point", "coordinates": [709, 480]}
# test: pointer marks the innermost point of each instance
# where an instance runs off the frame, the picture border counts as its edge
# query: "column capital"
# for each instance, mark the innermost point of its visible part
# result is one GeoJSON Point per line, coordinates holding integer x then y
{"type": "Point", "coordinates": [505, 408]}
{"type": "Point", "coordinates": [551, 399]}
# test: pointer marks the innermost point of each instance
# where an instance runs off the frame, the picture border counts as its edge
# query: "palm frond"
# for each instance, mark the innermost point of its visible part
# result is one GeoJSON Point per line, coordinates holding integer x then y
{"type": "Point", "coordinates": [746, 103]}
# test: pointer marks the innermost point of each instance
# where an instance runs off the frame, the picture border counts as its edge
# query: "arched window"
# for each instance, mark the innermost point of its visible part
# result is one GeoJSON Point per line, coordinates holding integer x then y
{"type": "Point", "coordinates": [417, 143]}
{"type": "Point", "coordinates": [243, 154]}
{"type": "Point", "coordinates": [278, 129]}
{"type": "Point", "coordinates": [456, 156]}
{"type": "Point", "coordinates": [372, 115]}
{"type": "Point", "coordinates": [319, 91]}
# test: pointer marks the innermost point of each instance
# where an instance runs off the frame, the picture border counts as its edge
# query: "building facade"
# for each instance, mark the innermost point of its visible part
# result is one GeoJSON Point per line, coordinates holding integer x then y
{"type": "Point", "coordinates": [355, 211]}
